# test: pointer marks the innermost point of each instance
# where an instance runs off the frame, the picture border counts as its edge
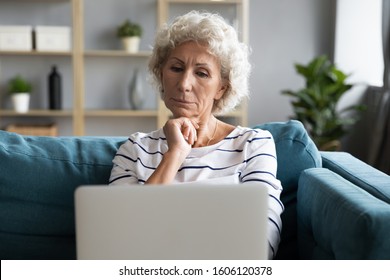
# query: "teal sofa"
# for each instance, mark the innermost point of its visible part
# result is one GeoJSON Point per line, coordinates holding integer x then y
{"type": "Point", "coordinates": [336, 207]}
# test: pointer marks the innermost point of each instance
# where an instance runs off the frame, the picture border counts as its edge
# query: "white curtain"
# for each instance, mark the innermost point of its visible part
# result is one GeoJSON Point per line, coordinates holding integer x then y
{"type": "Point", "coordinates": [358, 42]}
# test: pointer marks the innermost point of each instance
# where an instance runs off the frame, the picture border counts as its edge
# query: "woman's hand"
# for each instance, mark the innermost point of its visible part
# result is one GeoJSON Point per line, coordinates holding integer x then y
{"type": "Point", "coordinates": [181, 135]}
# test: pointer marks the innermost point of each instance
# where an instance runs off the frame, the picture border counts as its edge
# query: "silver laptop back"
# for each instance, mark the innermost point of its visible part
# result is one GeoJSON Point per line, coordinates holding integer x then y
{"type": "Point", "coordinates": [171, 222]}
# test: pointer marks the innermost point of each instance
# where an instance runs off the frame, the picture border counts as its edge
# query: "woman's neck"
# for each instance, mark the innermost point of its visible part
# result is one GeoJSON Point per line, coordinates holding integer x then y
{"type": "Point", "coordinates": [207, 132]}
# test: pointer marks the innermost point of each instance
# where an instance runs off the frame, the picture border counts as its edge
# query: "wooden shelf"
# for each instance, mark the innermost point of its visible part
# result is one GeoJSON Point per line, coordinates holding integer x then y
{"type": "Point", "coordinates": [111, 53]}
{"type": "Point", "coordinates": [121, 113]}
{"type": "Point", "coordinates": [37, 113]}
{"type": "Point", "coordinates": [36, 53]}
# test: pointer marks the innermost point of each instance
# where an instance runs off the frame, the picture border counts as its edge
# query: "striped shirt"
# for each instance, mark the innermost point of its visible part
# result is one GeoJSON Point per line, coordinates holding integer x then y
{"type": "Point", "coordinates": [245, 155]}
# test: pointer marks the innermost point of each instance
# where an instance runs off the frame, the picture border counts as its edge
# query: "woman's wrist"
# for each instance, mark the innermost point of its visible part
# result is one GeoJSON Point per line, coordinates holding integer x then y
{"type": "Point", "coordinates": [175, 156]}
{"type": "Point", "coordinates": [168, 167]}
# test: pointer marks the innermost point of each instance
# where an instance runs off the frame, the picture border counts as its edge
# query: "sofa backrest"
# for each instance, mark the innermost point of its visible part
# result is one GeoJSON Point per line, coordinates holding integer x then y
{"type": "Point", "coordinates": [295, 152]}
{"type": "Point", "coordinates": [36, 194]}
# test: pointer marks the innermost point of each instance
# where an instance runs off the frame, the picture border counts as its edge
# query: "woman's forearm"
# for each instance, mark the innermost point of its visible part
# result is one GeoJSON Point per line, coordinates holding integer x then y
{"type": "Point", "coordinates": [167, 169]}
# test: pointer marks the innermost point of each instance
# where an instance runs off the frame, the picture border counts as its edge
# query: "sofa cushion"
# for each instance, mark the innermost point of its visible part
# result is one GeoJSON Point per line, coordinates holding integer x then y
{"type": "Point", "coordinates": [36, 195]}
{"type": "Point", "coordinates": [295, 152]}
{"type": "Point", "coordinates": [335, 215]}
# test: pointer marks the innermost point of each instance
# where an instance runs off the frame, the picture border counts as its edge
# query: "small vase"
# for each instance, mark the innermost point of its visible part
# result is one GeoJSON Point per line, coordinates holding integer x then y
{"type": "Point", "coordinates": [136, 96]}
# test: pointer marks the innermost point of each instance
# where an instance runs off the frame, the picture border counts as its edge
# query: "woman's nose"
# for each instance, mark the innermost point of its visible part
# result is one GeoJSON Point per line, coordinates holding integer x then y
{"type": "Point", "coordinates": [186, 82]}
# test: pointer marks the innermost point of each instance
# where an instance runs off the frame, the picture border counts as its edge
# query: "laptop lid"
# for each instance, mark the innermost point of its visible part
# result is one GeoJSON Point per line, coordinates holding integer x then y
{"type": "Point", "coordinates": [171, 222]}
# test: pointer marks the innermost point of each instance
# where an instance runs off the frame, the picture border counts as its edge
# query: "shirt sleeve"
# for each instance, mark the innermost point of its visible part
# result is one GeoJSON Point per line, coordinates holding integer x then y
{"type": "Point", "coordinates": [261, 167]}
{"type": "Point", "coordinates": [124, 165]}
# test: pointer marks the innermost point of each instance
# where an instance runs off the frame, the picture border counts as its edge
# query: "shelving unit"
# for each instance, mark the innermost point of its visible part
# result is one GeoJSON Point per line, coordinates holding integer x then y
{"type": "Point", "coordinates": [38, 63]}
{"type": "Point", "coordinates": [88, 56]}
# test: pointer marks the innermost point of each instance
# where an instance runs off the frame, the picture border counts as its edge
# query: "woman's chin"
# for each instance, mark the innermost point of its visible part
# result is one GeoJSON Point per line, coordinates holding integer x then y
{"type": "Point", "coordinates": [181, 112]}
{"type": "Point", "coordinates": [188, 116]}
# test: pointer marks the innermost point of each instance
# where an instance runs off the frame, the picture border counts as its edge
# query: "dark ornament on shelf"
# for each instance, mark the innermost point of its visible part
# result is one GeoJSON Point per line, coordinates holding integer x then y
{"type": "Point", "coordinates": [55, 89]}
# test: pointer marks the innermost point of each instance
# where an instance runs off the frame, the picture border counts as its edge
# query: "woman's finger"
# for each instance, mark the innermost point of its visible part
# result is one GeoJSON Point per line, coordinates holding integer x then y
{"type": "Point", "coordinates": [186, 129]}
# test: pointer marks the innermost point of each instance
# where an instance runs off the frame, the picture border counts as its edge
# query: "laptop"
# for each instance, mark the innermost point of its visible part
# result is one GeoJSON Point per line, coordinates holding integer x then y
{"type": "Point", "coordinates": [171, 222]}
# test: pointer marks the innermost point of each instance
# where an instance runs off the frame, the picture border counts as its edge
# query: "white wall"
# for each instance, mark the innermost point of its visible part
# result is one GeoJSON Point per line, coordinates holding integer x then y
{"type": "Point", "coordinates": [282, 33]}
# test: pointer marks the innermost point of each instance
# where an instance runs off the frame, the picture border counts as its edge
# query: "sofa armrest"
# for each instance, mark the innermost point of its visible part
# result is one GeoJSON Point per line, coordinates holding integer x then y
{"type": "Point", "coordinates": [361, 174]}
{"type": "Point", "coordinates": [338, 220]}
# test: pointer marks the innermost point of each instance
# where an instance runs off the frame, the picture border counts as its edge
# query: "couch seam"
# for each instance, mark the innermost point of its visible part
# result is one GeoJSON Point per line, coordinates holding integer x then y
{"type": "Point", "coordinates": [53, 158]}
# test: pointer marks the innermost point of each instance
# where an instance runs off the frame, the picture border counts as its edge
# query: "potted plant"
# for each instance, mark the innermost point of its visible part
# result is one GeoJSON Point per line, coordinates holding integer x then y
{"type": "Point", "coordinates": [20, 90]}
{"type": "Point", "coordinates": [315, 105]}
{"type": "Point", "coordinates": [130, 33]}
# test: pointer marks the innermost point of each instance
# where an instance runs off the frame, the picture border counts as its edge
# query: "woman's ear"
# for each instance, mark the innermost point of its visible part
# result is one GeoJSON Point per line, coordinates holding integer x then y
{"type": "Point", "coordinates": [223, 88]}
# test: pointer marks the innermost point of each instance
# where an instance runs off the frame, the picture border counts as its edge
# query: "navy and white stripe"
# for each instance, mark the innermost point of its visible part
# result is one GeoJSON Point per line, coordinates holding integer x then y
{"type": "Point", "coordinates": [245, 155]}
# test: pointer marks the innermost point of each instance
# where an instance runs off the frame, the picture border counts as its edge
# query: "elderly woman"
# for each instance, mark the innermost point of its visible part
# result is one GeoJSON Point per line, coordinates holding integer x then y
{"type": "Point", "coordinates": [201, 69]}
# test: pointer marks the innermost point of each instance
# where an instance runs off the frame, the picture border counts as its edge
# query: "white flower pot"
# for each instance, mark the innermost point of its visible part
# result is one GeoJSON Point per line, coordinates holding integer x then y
{"type": "Point", "coordinates": [131, 44]}
{"type": "Point", "coordinates": [21, 102]}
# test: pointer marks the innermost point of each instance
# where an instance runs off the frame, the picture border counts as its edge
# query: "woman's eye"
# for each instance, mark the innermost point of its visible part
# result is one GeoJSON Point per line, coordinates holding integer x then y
{"type": "Point", "coordinates": [202, 74]}
{"type": "Point", "coordinates": [176, 69]}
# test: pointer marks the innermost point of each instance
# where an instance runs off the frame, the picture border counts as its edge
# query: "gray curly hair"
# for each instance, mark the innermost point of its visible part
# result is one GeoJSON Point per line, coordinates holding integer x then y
{"type": "Point", "coordinates": [222, 42]}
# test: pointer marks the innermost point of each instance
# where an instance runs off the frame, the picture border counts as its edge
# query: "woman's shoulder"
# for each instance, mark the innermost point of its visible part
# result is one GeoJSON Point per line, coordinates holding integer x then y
{"type": "Point", "coordinates": [252, 140]}
{"type": "Point", "coordinates": [140, 140]}
{"type": "Point", "coordinates": [247, 133]}
{"type": "Point", "coordinates": [153, 136]}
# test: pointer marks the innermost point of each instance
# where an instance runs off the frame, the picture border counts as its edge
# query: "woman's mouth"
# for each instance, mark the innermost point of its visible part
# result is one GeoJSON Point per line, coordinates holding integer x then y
{"type": "Point", "coordinates": [182, 102]}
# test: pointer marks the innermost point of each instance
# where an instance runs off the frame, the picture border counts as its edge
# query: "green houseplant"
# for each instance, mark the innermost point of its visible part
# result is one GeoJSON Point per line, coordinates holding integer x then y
{"type": "Point", "coordinates": [19, 85]}
{"type": "Point", "coordinates": [130, 34]}
{"type": "Point", "coordinates": [20, 90]}
{"type": "Point", "coordinates": [315, 104]}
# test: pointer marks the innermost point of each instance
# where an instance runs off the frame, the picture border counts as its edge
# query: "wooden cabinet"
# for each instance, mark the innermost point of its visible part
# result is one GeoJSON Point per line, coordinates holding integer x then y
{"type": "Point", "coordinates": [96, 72]}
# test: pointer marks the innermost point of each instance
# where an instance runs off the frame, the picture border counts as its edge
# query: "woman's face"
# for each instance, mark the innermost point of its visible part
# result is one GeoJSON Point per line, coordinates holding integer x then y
{"type": "Point", "coordinates": [191, 79]}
